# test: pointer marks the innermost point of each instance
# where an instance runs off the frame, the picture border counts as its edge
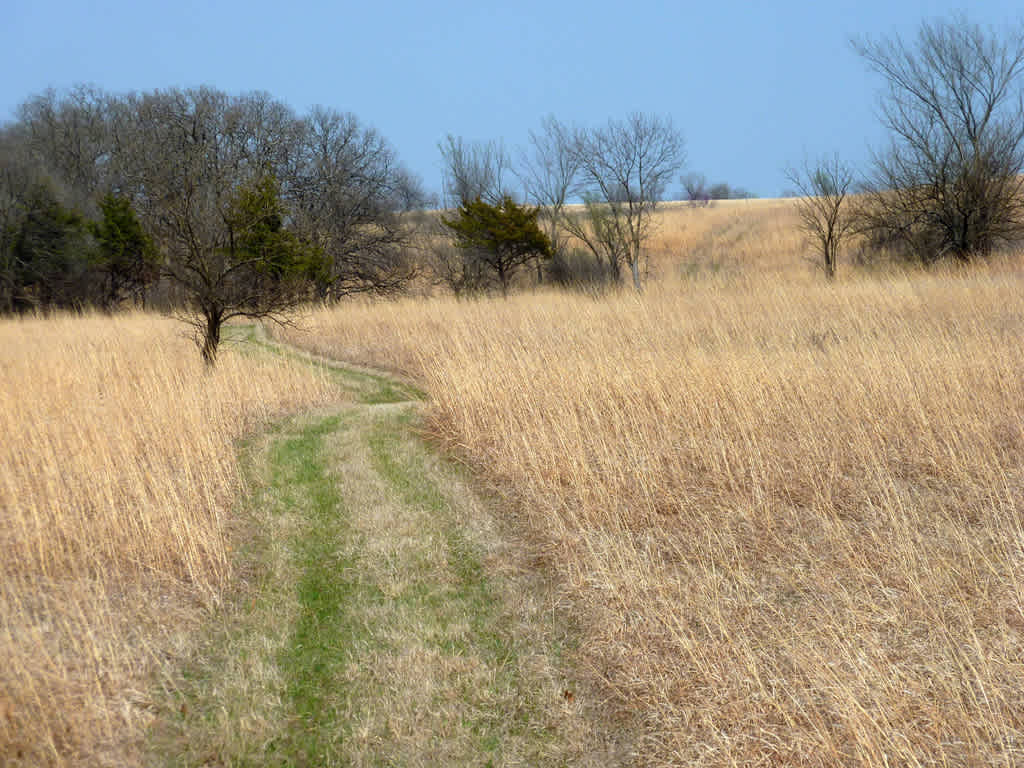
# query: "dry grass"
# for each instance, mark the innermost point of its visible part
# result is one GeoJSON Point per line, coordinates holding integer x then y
{"type": "Point", "coordinates": [118, 466]}
{"type": "Point", "coordinates": [792, 510]}
{"type": "Point", "coordinates": [728, 236]}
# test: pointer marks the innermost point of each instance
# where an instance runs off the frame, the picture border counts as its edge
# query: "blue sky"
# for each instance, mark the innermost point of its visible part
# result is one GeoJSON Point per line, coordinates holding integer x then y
{"type": "Point", "coordinates": [753, 87]}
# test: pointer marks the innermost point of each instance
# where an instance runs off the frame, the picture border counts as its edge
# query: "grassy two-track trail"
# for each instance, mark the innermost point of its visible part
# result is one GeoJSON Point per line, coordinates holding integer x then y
{"type": "Point", "coordinates": [382, 613]}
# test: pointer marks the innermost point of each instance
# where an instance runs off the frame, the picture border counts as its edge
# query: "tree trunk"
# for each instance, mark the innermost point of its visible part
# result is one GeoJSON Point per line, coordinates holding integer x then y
{"type": "Point", "coordinates": [503, 279]}
{"type": "Point", "coordinates": [211, 339]}
{"type": "Point", "coordinates": [635, 267]}
{"type": "Point", "coordinates": [614, 269]}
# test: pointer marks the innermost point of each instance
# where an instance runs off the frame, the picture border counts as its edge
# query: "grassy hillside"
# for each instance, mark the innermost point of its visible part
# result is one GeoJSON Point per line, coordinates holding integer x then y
{"type": "Point", "coordinates": [786, 513]}
{"type": "Point", "coordinates": [791, 509]}
{"type": "Point", "coordinates": [728, 235]}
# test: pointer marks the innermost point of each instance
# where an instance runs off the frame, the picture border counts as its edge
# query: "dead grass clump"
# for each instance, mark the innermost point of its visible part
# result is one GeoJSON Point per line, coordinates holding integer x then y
{"type": "Point", "coordinates": [792, 509]}
{"type": "Point", "coordinates": [118, 468]}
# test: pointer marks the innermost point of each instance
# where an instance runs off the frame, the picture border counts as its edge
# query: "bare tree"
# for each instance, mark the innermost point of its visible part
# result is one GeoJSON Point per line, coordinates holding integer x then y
{"type": "Point", "coordinates": [624, 169]}
{"type": "Point", "coordinates": [823, 207]}
{"type": "Point", "coordinates": [350, 195]}
{"type": "Point", "coordinates": [549, 171]}
{"type": "Point", "coordinates": [252, 207]}
{"type": "Point", "coordinates": [200, 162]}
{"type": "Point", "coordinates": [695, 185]}
{"type": "Point", "coordinates": [950, 182]}
{"type": "Point", "coordinates": [474, 170]}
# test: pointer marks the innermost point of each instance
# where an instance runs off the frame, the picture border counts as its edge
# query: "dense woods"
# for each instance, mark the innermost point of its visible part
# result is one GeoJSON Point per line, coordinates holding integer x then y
{"type": "Point", "coordinates": [222, 205]}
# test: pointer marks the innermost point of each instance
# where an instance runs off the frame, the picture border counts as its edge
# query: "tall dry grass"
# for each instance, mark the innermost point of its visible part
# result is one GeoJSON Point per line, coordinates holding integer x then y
{"type": "Point", "coordinates": [792, 510]}
{"type": "Point", "coordinates": [727, 236]}
{"type": "Point", "coordinates": [117, 470]}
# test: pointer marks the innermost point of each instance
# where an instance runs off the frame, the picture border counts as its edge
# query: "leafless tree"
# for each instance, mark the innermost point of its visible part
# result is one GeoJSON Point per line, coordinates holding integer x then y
{"type": "Point", "coordinates": [823, 206]}
{"type": "Point", "coordinates": [624, 168]}
{"type": "Point", "coordinates": [351, 196]}
{"type": "Point", "coordinates": [474, 170]}
{"type": "Point", "coordinates": [695, 185]}
{"type": "Point", "coordinates": [336, 185]}
{"type": "Point", "coordinates": [549, 171]}
{"type": "Point", "coordinates": [187, 155]}
{"type": "Point", "coordinates": [950, 182]}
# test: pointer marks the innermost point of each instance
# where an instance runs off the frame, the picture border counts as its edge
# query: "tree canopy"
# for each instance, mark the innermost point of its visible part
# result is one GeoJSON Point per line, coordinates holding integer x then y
{"type": "Point", "coordinates": [502, 236]}
{"type": "Point", "coordinates": [220, 204]}
{"type": "Point", "coordinates": [950, 182]}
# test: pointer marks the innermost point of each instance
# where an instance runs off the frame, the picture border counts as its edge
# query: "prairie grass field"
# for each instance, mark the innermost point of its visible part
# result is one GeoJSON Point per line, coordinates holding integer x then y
{"type": "Point", "coordinates": [117, 475]}
{"type": "Point", "coordinates": [727, 236]}
{"type": "Point", "coordinates": [787, 515]}
{"type": "Point", "coordinates": [791, 509]}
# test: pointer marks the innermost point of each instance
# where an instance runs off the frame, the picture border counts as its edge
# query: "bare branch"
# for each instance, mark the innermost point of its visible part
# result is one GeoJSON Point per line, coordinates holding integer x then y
{"type": "Point", "coordinates": [823, 208]}
{"type": "Point", "coordinates": [950, 182]}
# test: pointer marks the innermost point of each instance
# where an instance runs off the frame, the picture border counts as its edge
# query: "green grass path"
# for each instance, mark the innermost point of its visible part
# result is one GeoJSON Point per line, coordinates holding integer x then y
{"type": "Point", "coordinates": [379, 617]}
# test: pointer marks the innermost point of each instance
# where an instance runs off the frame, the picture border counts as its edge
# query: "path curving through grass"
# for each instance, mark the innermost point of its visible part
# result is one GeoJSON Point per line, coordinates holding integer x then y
{"type": "Point", "coordinates": [382, 615]}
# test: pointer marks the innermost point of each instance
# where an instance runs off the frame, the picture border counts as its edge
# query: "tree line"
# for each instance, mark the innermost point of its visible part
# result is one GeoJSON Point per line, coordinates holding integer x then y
{"type": "Point", "coordinates": [227, 206]}
{"type": "Point", "coordinates": [220, 205]}
{"type": "Point", "coordinates": [234, 205]}
{"type": "Point", "coordinates": [949, 183]}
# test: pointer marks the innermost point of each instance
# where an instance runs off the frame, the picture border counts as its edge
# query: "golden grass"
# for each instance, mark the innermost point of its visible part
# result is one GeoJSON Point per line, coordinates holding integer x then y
{"type": "Point", "coordinates": [118, 466]}
{"type": "Point", "coordinates": [728, 235]}
{"type": "Point", "coordinates": [792, 510]}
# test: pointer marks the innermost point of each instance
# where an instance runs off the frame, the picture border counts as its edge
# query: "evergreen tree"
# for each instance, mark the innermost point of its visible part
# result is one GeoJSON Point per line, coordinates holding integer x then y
{"type": "Point", "coordinates": [503, 237]}
{"type": "Point", "coordinates": [125, 254]}
{"type": "Point", "coordinates": [51, 255]}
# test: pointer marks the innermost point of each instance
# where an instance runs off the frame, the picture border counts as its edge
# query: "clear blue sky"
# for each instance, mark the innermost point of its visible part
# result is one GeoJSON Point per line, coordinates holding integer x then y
{"type": "Point", "coordinates": [752, 86]}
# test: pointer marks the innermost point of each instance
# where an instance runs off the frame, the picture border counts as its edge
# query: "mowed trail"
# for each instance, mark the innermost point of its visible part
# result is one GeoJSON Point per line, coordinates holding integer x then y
{"type": "Point", "coordinates": [385, 614]}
